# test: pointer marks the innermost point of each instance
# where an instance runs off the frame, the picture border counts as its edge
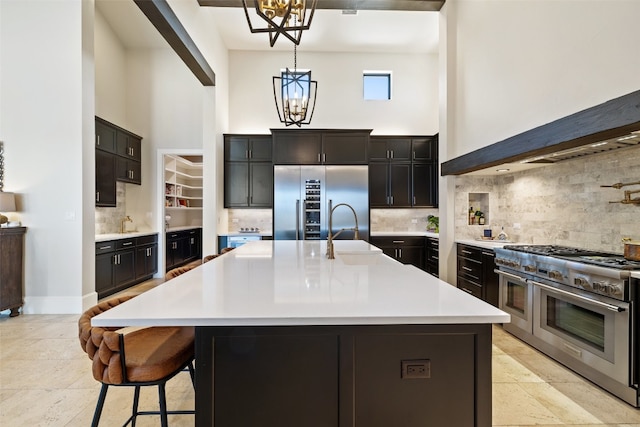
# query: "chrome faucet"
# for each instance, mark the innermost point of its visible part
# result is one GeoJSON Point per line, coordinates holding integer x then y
{"type": "Point", "coordinates": [330, 237]}
{"type": "Point", "coordinates": [122, 221]}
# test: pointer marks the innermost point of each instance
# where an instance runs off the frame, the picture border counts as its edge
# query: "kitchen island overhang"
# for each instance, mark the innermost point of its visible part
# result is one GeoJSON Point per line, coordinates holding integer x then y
{"type": "Point", "coordinates": [285, 337]}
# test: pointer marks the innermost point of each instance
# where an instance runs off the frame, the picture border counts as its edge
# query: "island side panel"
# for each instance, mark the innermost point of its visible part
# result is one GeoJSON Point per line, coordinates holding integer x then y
{"type": "Point", "coordinates": [344, 376]}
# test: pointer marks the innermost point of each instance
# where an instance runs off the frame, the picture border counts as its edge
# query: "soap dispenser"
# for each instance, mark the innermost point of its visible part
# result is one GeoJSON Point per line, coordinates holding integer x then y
{"type": "Point", "coordinates": [503, 235]}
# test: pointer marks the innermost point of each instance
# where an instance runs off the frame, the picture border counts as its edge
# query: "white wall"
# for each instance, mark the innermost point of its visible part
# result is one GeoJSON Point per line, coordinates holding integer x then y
{"type": "Point", "coordinates": [45, 72]}
{"type": "Point", "coordinates": [521, 64]}
{"type": "Point", "coordinates": [413, 109]}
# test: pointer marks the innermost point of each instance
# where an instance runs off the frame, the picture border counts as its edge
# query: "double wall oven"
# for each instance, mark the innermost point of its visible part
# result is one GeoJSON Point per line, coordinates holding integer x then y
{"type": "Point", "coordinates": [577, 306]}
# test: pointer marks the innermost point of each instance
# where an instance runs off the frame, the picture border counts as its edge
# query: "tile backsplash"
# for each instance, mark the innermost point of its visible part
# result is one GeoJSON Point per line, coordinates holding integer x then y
{"type": "Point", "coordinates": [562, 203]}
{"type": "Point", "coordinates": [108, 219]}
{"type": "Point", "coordinates": [400, 219]}
{"type": "Point", "coordinates": [247, 218]}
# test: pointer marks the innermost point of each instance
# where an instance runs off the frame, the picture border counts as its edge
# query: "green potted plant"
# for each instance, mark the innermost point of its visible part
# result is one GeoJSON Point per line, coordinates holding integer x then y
{"type": "Point", "coordinates": [433, 223]}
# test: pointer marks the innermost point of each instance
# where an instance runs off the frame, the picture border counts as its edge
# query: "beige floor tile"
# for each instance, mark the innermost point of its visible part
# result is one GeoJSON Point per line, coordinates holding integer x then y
{"type": "Point", "coordinates": [563, 407]}
{"type": "Point", "coordinates": [505, 369]}
{"type": "Point", "coordinates": [546, 368]}
{"type": "Point", "coordinates": [512, 405]}
{"type": "Point", "coordinates": [604, 406]}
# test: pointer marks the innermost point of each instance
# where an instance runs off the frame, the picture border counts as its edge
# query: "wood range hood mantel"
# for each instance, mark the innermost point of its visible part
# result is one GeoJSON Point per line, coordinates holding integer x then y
{"type": "Point", "coordinates": [569, 137]}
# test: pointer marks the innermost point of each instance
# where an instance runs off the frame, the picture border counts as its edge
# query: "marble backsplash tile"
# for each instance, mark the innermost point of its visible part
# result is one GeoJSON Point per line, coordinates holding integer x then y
{"type": "Point", "coordinates": [248, 218]}
{"type": "Point", "coordinates": [562, 203]}
{"type": "Point", "coordinates": [400, 219]}
{"type": "Point", "coordinates": [108, 219]}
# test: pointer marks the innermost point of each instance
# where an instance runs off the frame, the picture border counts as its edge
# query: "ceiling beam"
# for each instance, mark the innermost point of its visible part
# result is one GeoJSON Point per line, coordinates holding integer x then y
{"type": "Point", "coordinates": [408, 5]}
{"type": "Point", "coordinates": [169, 26]}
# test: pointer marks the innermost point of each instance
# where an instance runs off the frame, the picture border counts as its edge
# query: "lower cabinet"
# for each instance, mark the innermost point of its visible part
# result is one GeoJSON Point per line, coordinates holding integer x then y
{"type": "Point", "coordinates": [476, 272]}
{"type": "Point", "coordinates": [125, 262]}
{"type": "Point", "coordinates": [433, 256]}
{"type": "Point", "coordinates": [407, 250]}
{"type": "Point", "coordinates": [183, 247]}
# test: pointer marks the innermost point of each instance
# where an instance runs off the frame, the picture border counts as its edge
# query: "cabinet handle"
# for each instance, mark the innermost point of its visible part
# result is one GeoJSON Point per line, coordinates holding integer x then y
{"type": "Point", "coordinates": [488, 253]}
{"type": "Point", "coordinates": [193, 241]}
{"type": "Point", "coordinates": [324, 157]}
{"type": "Point", "coordinates": [467, 291]}
{"type": "Point", "coordinates": [388, 157]}
{"type": "Point", "coordinates": [97, 196]}
{"type": "Point", "coordinates": [105, 247]}
{"type": "Point", "coordinates": [246, 154]}
{"type": "Point", "coordinates": [398, 242]}
{"type": "Point", "coordinates": [391, 199]}
{"type": "Point", "coordinates": [127, 244]}
{"type": "Point", "coordinates": [466, 252]}
{"type": "Point", "coordinates": [250, 154]}
{"type": "Point", "coordinates": [414, 200]}
{"type": "Point", "coordinates": [391, 151]}
{"type": "Point", "coordinates": [98, 140]}
{"type": "Point", "coordinates": [319, 158]}
{"type": "Point", "coordinates": [435, 257]}
{"type": "Point", "coordinates": [466, 268]}
{"type": "Point", "coordinates": [400, 252]}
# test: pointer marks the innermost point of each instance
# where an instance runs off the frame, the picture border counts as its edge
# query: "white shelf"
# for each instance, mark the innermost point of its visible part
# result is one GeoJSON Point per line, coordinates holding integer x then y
{"type": "Point", "coordinates": [183, 185]}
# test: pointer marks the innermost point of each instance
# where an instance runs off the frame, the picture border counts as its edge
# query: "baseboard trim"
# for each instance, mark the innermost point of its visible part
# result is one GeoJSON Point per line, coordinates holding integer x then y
{"type": "Point", "coordinates": [55, 305]}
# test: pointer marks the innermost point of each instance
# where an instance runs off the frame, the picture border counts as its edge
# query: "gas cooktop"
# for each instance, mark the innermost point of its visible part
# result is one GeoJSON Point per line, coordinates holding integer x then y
{"type": "Point", "coordinates": [585, 256]}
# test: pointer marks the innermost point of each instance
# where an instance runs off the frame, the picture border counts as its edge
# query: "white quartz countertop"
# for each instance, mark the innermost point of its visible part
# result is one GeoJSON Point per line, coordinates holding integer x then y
{"type": "Point", "coordinates": [282, 283]}
{"type": "Point", "coordinates": [403, 233]}
{"type": "Point", "coordinates": [127, 235]}
{"type": "Point", "coordinates": [486, 244]}
{"type": "Point", "coordinates": [266, 233]}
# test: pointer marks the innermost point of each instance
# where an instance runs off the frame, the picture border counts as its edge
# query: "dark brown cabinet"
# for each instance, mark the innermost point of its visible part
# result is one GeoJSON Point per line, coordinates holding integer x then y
{"type": "Point", "coordinates": [105, 179]}
{"type": "Point", "coordinates": [146, 256]}
{"type": "Point", "coordinates": [433, 256]}
{"type": "Point", "coordinates": [118, 158]}
{"type": "Point", "coordinates": [390, 185]}
{"type": "Point", "coordinates": [248, 174]}
{"type": "Point", "coordinates": [123, 263]}
{"type": "Point", "coordinates": [183, 247]}
{"type": "Point", "coordinates": [406, 249]}
{"type": "Point", "coordinates": [320, 147]}
{"type": "Point", "coordinates": [128, 171]}
{"type": "Point", "coordinates": [11, 269]}
{"type": "Point", "coordinates": [403, 172]}
{"type": "Point", "coordinates": [476, 272]}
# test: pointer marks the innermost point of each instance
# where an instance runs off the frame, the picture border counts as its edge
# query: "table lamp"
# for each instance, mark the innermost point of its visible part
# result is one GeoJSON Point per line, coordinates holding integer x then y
{"type": "Point", "coordinates": [7, 204]}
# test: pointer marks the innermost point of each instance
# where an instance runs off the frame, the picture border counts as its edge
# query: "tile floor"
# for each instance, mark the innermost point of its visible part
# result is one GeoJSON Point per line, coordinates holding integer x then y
{"type": "Point", "coordinates": [45, 380]}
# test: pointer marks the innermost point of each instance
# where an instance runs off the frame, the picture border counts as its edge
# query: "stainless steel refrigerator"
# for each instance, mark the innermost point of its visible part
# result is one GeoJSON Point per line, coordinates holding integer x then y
{"type": "Point", "coordinates": [304, 195]}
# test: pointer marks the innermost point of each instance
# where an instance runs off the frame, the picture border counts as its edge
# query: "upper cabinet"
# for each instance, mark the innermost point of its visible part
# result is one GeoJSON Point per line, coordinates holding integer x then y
{"type": "Point", "coordinates": [248, 171]}
{"type": "Point", "coordinates": [118, 158]}
{"type": "Point", "coordinates": [403, 171]}
{"type": "Point", "coordinates": [320, 147]}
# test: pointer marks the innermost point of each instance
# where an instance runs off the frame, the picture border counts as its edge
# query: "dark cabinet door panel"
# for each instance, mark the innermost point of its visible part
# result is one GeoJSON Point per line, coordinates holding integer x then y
{"type": "Point", "coordinates": [105, 137]}
{"type": "Point", "coordinates": [236, 184]}
{"type": "Point", "coordinates": [400, 185]}
{"type": "Point", "coordinates": [261, 191]}
{"type": "Point", "coordinates": [236, 148]}
{"type": "Point", "coordinates": [105, 179]}
{"type": "Point", "coordinates": [297, 148]}
{"type": "Point", "coordinates": [378, 185]}
{"type": "Point", "coordinates": [424, 149]}
{"type": "Point", "coordinates": [261, 148]}
{"type": "Point", "coordinates": [423, 185]}
{"type": "Point", "coordinates": [345, 148]}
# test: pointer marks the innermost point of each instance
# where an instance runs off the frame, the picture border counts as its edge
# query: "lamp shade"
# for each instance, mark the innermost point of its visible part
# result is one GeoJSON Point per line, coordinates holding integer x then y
{"type": "Point", "coordinates": [7, 202]}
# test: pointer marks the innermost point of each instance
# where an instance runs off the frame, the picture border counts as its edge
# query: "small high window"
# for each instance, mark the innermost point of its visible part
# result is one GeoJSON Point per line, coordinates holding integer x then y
{"type": "Point", "coordinates": [377, 85]}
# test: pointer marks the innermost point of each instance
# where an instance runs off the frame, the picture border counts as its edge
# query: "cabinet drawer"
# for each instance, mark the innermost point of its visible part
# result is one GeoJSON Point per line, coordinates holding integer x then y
{"type": "Point", "coordinates": [470, 269]}
{"type": "Point", "coordinates": [105, 247]}
{"type": "Point", "coordinates": [125, 244]}
{"type": "Point", "coordinates": [398, 241]}
{"type": "Point", "coordinates": [470, 287]}
{"type": "Point", "coordinates": [146, 240]}
{"type": "Point", "coordinates": [470, 252]}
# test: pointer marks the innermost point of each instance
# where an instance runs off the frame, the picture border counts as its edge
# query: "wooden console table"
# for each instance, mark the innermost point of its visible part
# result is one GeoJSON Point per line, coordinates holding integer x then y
{"type": "Point", "coordinates": [11, 269]}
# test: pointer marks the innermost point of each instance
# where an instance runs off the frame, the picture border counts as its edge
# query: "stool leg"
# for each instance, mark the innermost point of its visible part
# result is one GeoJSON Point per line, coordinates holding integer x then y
{"type": "Point", "coordinates": [134, 411]}
{"type": "Point", "coordinates": [163, 406]}
{"type": "Point", "coordinates": [99, 405]}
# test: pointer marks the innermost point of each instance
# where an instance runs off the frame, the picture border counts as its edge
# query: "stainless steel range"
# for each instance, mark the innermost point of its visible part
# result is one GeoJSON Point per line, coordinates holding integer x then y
{"type": "Point", "coordinates": [577, 306]}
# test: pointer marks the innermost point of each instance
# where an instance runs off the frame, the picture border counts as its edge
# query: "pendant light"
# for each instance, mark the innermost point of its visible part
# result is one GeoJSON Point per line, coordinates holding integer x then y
{"type": "Point", "coordinates": [295, 95]}
{"type": "Point", "coordinates": [286, 17]}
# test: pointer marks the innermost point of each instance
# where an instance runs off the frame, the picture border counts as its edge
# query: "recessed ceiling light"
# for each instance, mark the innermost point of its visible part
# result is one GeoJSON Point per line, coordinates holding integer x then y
{"type": "Point", "coordinates": [598, 144]}
{"type": "Point", "coordinates": [503, 170]}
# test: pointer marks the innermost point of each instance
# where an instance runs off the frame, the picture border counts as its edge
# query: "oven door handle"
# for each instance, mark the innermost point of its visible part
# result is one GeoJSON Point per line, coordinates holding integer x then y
{"type": "Point", "coordinates": [513, 276]}
{"type": "Point", "coordinates": [580, 297]}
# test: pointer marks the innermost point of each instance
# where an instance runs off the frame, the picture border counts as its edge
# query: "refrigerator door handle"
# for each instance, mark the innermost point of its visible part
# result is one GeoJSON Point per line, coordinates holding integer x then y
{"type": "Point", "coordinates": [298, 219]}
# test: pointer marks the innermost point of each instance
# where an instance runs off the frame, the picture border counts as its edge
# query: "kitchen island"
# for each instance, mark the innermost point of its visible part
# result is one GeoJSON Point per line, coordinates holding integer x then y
{"type": "Point", "coordinates": [286, 337]}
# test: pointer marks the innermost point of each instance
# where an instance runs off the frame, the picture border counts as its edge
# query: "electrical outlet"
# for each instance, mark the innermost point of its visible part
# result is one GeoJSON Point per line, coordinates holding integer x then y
{"type": "Point", "coordinates": [414, 221]}
{"type": "Point", "coordinates": [516, 226]}
{"type": "Point", "coordinates": [416, 369]}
